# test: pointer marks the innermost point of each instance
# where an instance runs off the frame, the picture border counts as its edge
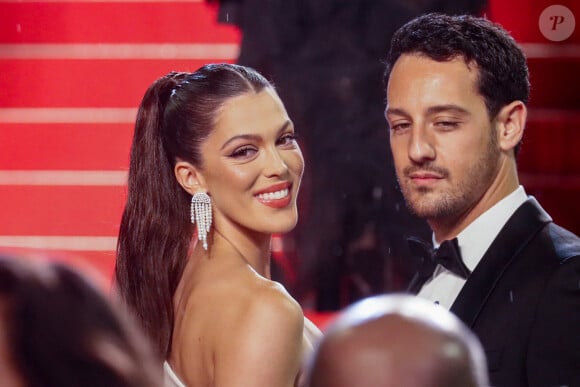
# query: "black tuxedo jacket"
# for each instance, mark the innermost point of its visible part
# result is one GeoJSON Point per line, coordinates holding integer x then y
{"type": "Point", "coordinates": [523, 302]}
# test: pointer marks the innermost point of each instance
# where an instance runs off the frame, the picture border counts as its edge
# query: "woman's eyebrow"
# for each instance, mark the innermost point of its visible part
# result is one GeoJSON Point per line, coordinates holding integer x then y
{"type": "Point", "coordinates": [253, 137]}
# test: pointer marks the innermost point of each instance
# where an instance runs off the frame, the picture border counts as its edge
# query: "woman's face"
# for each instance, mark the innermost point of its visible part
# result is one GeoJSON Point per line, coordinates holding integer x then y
{"type": "Point", "coordinates": [252, 165]}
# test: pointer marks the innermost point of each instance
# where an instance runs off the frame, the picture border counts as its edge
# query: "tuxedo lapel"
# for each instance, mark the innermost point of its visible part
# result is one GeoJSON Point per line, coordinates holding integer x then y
{"type": "Point", "coordinates": [521, 227]}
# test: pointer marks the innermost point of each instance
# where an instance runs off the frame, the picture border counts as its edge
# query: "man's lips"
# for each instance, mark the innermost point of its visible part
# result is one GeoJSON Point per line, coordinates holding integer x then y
{"type": "Point", "coordinates": [424, 176]}
{"type": "Point", "coordinates": [425, 172]}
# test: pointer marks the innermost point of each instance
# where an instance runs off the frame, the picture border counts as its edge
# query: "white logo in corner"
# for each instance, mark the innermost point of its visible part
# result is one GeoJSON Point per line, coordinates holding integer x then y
{"type": "Point", "coordinates": [557, 23]}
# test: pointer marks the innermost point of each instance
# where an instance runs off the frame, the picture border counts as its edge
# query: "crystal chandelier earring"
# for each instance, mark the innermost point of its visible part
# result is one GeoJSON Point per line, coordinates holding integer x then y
{"type": "Point", "coordinates": [201, 214]}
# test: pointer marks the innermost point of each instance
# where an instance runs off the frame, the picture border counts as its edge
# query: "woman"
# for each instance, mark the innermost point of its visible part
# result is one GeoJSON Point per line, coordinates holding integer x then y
{"type": "Point", "coordinates": [213, 150]}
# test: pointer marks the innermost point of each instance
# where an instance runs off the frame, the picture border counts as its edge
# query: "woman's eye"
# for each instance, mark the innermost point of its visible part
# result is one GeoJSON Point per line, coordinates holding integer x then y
{"type": "Point", "coordinates": [287, 139]}
{"type": "Point", "coordinates": [244, 152]}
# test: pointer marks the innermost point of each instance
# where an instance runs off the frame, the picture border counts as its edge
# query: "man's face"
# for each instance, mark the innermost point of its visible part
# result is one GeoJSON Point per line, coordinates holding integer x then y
{"type": "Point", "coordinates": [443, 142]}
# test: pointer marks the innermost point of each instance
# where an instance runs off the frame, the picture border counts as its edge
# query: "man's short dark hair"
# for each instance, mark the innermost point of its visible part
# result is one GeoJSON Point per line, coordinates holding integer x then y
{"type": "Point", "coordinates": [503, 71]}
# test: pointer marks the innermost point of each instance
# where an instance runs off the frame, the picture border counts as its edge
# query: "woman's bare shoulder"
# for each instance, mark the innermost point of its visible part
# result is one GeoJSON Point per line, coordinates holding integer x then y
{"type": "Point", "coordinates": [267, 330]}
{"type": "Point", "coordinates": [263, 299]}
{"type": "Point", "coordinates": [272, 298]}
{"type": "Point", "coordinates": [230, 301]}
{"type": "Point", "coordinates": [240, 319]}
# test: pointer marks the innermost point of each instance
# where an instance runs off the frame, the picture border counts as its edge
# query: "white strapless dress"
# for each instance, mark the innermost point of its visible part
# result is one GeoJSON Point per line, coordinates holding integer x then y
{"type": "Point", "coordinates": [171, 379]}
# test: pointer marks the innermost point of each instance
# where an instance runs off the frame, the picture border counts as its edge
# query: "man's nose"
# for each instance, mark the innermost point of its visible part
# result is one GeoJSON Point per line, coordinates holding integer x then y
{"type": "Point", "coordinates": [421, 145]}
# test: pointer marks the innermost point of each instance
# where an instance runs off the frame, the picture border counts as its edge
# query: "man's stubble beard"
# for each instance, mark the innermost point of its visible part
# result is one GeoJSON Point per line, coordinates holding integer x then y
{"type": "Point", "coordinates": [457, 199]}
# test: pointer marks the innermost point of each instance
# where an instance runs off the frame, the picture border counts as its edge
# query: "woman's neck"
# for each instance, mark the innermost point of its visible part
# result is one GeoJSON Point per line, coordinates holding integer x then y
{"type": "Point", "coordinates": [253, 248]}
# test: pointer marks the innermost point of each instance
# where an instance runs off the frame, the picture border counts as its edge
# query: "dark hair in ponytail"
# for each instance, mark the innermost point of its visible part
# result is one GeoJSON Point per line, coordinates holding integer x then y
{"type": "Point", "coordinates": [176, 115]}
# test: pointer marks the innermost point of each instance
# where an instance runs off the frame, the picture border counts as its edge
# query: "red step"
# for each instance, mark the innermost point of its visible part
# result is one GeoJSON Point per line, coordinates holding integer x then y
{"type": "Point", "coordinates": [65, 146]}
{"type": "Point", "coordinates": [551, 142]}
{"type": "Point", "coordinates": [109, 22]}
{"type": "Point", "coordinates": [555, 82]}
{"type": "Point", "coordinates": [83, 83]}
{"type": "Point", "coordinates": [61, 210]}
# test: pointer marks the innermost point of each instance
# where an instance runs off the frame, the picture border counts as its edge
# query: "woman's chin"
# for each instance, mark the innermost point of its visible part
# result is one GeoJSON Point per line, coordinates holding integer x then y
{"type": "Point", "coordinates": [283, 227]}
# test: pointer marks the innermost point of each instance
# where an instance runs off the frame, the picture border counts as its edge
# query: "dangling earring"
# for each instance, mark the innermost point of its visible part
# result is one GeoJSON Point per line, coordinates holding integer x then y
{"type": "Point", "coordinates": [201, 213]}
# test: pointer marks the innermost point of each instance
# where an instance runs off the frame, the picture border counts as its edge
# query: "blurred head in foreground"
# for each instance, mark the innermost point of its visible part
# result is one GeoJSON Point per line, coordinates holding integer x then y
{"type": "Point", "coordinates": [397, 340]}
{"type": "Point", "coordinates": [57, 329]}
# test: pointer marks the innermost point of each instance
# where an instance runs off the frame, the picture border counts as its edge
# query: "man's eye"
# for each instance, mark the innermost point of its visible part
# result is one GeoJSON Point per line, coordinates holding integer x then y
{"type": "Point", "coordinates": [399, 126]}
{"type": "Point", "coordinates": [447, 124]}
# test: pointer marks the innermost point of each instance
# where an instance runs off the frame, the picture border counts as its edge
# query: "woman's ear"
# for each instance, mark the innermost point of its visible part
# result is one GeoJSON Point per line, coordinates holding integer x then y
{"type": "Point", "coordinates": [189, 177]}
{"type": "Point", "coordinates": [511, 121]}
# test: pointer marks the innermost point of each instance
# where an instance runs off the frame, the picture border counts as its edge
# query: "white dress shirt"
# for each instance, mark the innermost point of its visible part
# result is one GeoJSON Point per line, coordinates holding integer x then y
{"type": "Point", "coordinates": [473, 241]}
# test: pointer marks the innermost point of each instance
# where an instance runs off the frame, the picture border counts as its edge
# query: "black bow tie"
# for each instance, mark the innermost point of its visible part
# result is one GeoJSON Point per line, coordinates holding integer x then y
{"type": "Point", "coordinates": [447, 255]}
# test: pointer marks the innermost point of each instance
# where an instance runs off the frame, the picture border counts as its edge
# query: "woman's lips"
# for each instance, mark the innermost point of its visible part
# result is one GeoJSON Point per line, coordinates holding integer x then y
{"type": "Point", "coordinates": [276, 196]}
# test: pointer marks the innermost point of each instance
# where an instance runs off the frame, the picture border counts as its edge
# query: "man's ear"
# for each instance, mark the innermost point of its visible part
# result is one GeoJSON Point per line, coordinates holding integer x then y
{"type": "Point", "coordinates": [511, 121]}
{"type": "Point", "coordinates": [189, 177]}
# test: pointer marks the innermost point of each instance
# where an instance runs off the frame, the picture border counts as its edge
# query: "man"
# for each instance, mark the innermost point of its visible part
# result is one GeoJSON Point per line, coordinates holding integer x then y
{"type": "Point", "coordinates": [457, 89]}
{"type": "Point", "coordinates": [394, 341]}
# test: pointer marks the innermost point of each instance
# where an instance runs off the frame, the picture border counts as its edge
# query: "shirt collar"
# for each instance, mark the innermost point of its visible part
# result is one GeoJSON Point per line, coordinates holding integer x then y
{"type": "Point", "coordinates": [476, 238]}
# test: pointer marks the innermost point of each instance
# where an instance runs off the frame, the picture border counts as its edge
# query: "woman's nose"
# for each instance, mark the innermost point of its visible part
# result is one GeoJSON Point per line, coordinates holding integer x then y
{"type": "Point", "coordinates": [275, 165]}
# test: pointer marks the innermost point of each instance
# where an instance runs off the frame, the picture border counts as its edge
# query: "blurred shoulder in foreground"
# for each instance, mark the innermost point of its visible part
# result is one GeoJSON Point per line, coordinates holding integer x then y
{"type": "Point", "coordinates": [57, 328]}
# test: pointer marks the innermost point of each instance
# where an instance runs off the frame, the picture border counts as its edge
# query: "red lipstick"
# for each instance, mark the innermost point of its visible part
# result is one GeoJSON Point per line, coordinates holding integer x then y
{"type": "Point", "coordinates": [276, 196]}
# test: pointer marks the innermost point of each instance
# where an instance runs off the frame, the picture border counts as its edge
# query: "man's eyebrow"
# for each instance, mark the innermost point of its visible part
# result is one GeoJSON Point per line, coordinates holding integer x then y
{"type": "Point", "coordinates": [447, 108]}
{"type": "Point", "coordinates": [431, 110]}
{"type": "Point", "coordinates": [396, 111]}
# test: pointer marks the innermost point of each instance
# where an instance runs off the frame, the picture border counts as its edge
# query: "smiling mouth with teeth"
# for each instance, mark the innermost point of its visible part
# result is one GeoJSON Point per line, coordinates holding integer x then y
{"type": "Point", "coordinates": [274, 195]}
